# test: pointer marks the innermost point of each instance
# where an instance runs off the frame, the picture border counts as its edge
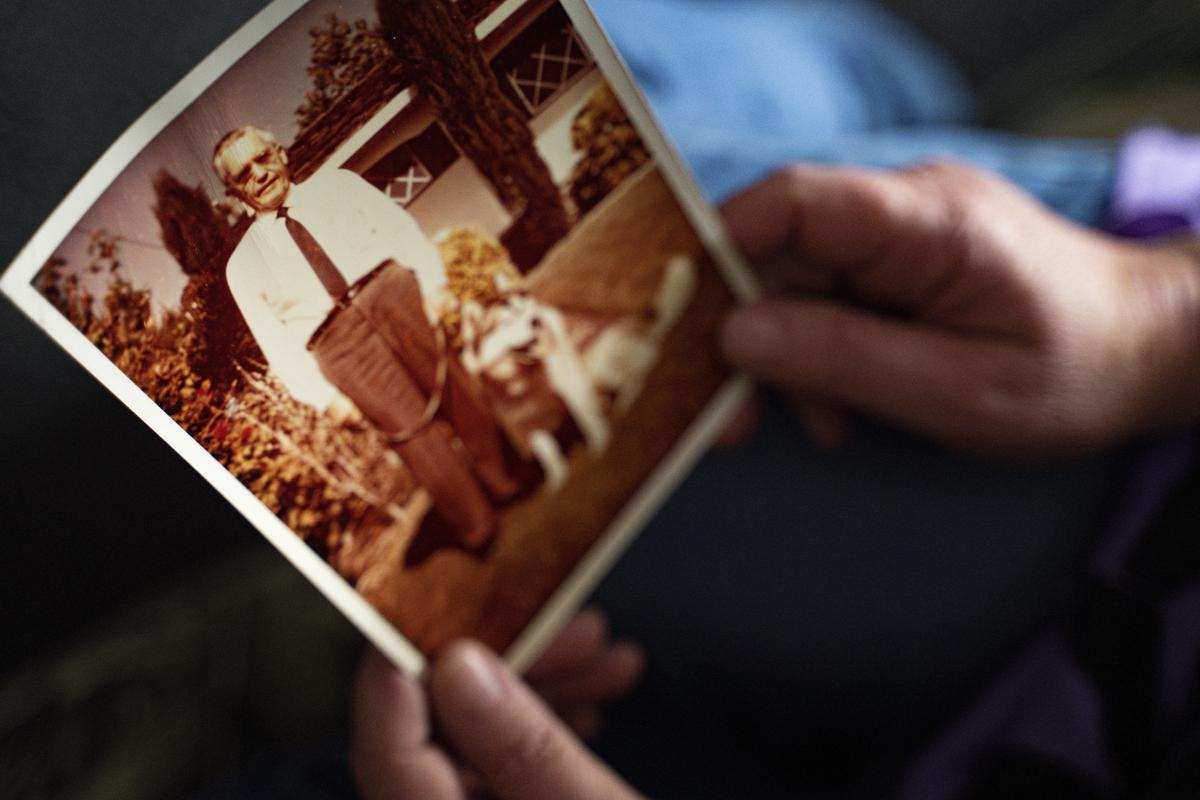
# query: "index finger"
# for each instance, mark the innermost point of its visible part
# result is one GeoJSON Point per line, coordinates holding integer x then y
{"type": "Point", "coordinates": [831, 214]}
{"type": "Point", "coordinates": [888, 237]}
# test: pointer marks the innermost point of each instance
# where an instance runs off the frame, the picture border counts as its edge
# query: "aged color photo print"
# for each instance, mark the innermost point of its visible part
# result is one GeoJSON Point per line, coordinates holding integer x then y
{"type": "Point", "coordinates": [422, 290]}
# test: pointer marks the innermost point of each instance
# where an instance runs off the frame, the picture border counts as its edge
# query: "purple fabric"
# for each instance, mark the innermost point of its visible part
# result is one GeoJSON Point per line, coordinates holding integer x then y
{"type": "Point", "coordinates": [1157, 191]}
{"type": "Point", "coordinates": [1046, 704]}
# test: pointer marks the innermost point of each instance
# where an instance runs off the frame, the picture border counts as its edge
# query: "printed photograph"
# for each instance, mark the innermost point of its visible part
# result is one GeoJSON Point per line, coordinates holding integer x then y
{"type": "Point", "coordinates": [410, 274]}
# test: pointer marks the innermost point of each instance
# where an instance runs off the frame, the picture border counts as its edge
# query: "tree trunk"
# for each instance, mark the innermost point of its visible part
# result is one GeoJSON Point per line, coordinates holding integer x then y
{"type": "Point", "coordinates": [437, 42]}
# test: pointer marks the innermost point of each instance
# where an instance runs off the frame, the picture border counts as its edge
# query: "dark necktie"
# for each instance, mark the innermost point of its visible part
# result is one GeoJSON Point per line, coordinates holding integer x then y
{"type": "Point", "coordinates": [317, 258]}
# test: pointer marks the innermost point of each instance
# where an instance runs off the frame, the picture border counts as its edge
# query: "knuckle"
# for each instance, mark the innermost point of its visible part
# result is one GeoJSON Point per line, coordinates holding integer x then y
{"type": "Point", "coordinates": [788, 180]}
{"type": "Point", "coordinates": [793, 174]}
{"type": "Point", "coordinates": [797, 183]}
{"type": "Point", "coordinates": [958, 185]}
{"type": "Point", "coordinates": [956, 198]}
{"type": "Point", "coordinates": [875, 200]}
{"type": "Point", "coordinates": [951, 172]}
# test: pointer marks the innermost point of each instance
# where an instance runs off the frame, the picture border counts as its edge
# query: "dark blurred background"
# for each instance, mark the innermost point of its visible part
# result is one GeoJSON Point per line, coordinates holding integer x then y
{"type": "Point", "coordinates": [151, 644]}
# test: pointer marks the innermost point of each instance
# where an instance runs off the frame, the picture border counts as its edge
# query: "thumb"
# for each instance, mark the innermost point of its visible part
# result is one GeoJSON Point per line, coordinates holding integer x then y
{"type": "Point", "coordinates": [901, 371]}
{"type": "Point", "coordinates": [498, 727]}
{"type": "Point", "coordinates": [391, 754]}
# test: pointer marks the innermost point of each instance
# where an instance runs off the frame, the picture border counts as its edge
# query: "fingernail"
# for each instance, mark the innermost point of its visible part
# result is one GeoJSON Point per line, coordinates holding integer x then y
{"type": "Point", "coordinates": [750, 336]}
{"type": "Point", "coordinates": [473, 675]}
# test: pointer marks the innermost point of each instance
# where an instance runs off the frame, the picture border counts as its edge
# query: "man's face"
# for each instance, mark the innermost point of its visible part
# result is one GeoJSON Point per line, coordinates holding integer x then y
{"type": "Point", "coordinates": [255, 170]}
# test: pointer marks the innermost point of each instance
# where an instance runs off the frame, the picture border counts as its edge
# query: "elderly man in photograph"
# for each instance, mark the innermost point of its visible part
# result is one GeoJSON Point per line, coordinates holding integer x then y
{"type": "Point", "coordinates": [334, 280]}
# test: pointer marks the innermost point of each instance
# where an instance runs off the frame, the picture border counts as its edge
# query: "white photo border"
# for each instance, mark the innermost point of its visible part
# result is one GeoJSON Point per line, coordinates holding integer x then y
{"type": "Point", "coordinates": [17, 284]}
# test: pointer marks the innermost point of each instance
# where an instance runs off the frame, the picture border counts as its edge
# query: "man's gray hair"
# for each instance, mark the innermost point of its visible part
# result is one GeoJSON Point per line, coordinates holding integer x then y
{"type": "Point", "coordinates": [227, 141]}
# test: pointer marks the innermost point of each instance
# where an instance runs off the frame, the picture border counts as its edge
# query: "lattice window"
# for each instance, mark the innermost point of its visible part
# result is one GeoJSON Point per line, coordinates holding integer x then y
{"type": "Point", "coordinates": [410, 169]}
{"type": "Point", "coordinates": [405, 187]}
{"type": "Point", "coordinates": [546, 63]}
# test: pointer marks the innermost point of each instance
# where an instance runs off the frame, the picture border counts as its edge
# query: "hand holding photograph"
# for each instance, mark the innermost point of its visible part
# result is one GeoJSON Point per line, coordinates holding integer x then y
{"type": "Point", "coordinates": [421, 288]}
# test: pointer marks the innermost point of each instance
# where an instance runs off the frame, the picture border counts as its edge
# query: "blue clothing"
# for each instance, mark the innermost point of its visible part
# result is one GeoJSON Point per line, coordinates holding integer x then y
{"type": "Point", "coordinates": [782, 69]}
{"type": "Point", "coordinates": [745, 86]}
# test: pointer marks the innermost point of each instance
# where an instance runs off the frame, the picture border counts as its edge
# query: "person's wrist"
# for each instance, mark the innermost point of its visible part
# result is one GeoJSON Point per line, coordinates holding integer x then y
{"type": "Point", "coordinates": [1164, 298]}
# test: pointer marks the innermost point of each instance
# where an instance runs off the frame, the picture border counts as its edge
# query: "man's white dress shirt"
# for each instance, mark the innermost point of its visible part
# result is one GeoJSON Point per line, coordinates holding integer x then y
{"type": "Point", "coordinates": [283, 300]}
